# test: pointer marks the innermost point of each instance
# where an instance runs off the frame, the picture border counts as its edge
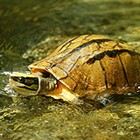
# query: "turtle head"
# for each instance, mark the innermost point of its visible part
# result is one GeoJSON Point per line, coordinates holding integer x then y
{"type": "Point", "coordinates": [31, 84]}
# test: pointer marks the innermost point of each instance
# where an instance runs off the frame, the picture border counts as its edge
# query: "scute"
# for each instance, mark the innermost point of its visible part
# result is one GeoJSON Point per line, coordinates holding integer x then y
{"type": "Point", "coordinates": [93, 63]}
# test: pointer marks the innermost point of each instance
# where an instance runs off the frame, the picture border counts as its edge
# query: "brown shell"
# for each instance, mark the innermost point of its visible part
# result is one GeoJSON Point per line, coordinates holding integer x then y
{"type": "Point", "coordinates": [93, 63]}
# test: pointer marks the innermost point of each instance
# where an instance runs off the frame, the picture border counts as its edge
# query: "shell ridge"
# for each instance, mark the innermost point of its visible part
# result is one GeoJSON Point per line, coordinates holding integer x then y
{"type": "Point", "coordinates": [125, 75]}
{"type": "Point", "coordinates": [88, 43]}
{"type": "Point", "coordinates": [104, 71]}
{"type": "Point", "coordinates": [109, 53]}
{"type": "Point", "coordinates": [80, 47]}
{"type": "Point", "coordinates": [68, 42]}
{"type": "Point", "coordinates": [64, 45]}
{"type": "Point", "coordinates": [73, 64]}
{"type": "Point", "coordinates": [58, 77]}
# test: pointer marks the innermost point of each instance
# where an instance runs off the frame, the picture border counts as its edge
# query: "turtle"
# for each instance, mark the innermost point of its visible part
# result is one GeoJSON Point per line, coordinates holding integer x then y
{"type": "Point", "coordinates": [86, 66]}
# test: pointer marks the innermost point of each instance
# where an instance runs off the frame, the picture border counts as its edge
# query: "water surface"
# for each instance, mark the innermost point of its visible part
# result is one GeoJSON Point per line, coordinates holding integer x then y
{"type": "Point", "coordinates": [32, 29]}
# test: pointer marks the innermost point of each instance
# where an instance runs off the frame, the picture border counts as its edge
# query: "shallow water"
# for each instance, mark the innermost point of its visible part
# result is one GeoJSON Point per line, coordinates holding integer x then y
{"type": "Point", "coordinates": [32, 29]}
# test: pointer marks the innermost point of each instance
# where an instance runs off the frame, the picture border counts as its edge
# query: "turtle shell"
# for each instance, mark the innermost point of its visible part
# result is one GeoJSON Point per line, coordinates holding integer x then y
{"type": "Point", "coordinates": [93, 64]}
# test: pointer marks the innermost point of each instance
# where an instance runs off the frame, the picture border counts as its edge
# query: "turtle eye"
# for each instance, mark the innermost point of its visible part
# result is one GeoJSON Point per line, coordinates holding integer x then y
{"type": "Point", "coordinates": [21, 80]}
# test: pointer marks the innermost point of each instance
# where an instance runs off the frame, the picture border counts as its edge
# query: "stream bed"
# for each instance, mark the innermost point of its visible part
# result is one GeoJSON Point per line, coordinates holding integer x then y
{"type": "Point", "coordinates": [31, 30]}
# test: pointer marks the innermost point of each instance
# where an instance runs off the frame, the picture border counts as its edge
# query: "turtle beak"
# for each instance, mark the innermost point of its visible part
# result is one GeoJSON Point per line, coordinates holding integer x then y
{"type": "Point", "coordinates": [24, 84]}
